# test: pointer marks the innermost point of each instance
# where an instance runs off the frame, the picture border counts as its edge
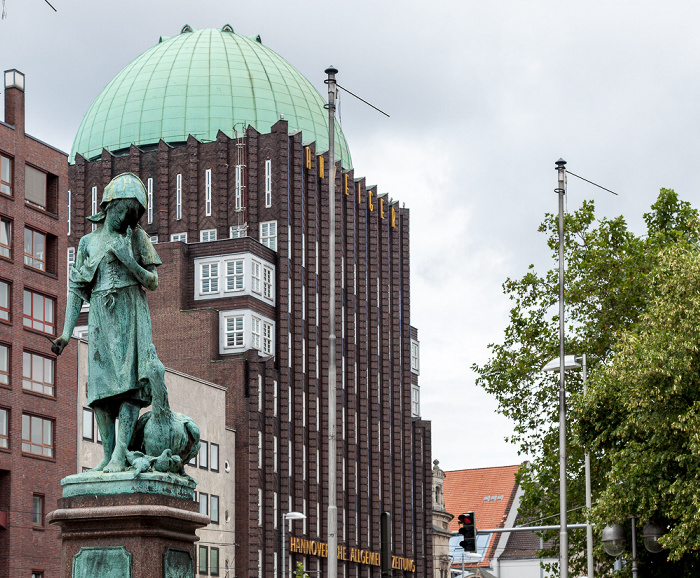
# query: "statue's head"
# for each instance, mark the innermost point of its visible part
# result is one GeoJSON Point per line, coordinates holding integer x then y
{"type": "Point", "coordinates": [125, 187]}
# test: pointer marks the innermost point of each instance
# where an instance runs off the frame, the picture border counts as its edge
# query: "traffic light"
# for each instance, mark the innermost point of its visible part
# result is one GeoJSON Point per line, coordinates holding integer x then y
{"type": "Point", "coordinates": [467, 528]}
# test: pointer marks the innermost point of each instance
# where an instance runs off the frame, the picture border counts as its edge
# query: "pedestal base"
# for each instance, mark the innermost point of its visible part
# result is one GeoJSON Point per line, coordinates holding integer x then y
{"type": "Point", "coordinates": [127, 536]}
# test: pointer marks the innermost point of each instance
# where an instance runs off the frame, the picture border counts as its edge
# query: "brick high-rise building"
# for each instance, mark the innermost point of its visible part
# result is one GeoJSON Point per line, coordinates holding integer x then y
{"type": "Point", "coordinates": [37, 391]}
{"type": "Point", "coordinates": [231, 142]}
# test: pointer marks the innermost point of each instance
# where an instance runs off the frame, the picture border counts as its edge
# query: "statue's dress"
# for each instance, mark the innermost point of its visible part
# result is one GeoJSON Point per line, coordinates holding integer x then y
{"type": "Point", "coordinates": [119, 320]}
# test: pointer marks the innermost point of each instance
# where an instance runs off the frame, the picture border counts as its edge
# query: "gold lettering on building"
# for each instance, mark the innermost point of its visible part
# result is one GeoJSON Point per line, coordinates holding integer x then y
{"type": "Point", "coordinates": [369, 200]}
{"type": "Point", "coordinates": [320, 167]}
{"type": "Point", "coordinates": [308, 157]}
{"type": "Point", "coordinates": [357, 555]}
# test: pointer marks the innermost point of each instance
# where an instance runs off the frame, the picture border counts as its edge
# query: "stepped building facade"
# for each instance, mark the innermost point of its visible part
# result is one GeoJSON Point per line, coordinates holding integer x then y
{"type": "Point", "coordinates": [231, 142]}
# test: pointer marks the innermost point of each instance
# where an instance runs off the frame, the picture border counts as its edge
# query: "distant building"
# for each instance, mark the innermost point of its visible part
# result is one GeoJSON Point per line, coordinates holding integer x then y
{"type": "Point", "coordinates": [441, 524]}
{"type": "Point", "coordinates": [37, 391]}
{"type": "Point", "coordinates": [213, 469]}
{"type": "Point", "coordinates": [231, 142]}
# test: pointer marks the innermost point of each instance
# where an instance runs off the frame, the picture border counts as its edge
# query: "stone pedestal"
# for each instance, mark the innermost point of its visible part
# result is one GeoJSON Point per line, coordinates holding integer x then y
{"type": "Point", "coordinates": [149, 533]}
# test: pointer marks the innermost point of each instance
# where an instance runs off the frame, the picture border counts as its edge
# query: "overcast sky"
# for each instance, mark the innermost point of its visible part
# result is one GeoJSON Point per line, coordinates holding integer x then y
{"type": "Point", "coordinates": [483, 98]}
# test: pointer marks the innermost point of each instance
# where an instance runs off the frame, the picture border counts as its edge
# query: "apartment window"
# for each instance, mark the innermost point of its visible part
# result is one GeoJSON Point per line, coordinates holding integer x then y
{"type": "Point", "coordinates": [149, 205]}
{"type": "Point", "coordinates": [4, 428]}
{"type": "Point", "coordinates": [37, 373]}
{"type": "Point", "coordinates": [234, 275]}
{"type": "Point", "coordinates": [207, 193]}
{"type": "Point", "coordinates": [4, 300]}
{"type": "Point", "coordinates": [178, 197]}
{"type": "Point", "coordinates": [94, 205]}
{"type": "Point", "coordinates": [5, 238]}
{"type": "Point", "coordinates": [153, 239]}
{"type": "Point", "coordinates": [70, 259]}
{"type": "Point", "coordinates": [88, 425]}
{"type": "Point", "coordinates": [34, 249]}
{"type": "Point", "coordinates": [267, 338]}
{"type": "Point", "coordinates": [37, 575]}
{"type": "Point", "coordinates": [256, 268]}
{"type": "Point", "coordinates": [260, 450]}
{"type": "Point", "coordinates": [35, 186]}
{"type": "Point", "coordinates": [268, 288]}
{"type": "Point", "coordinates": [209, 278]}
{"type": "Point", "coordinates": [275, 511]}
{"type": "Point", "coordinates": [214, 457]}
{"type": "Point", "coordinates": [4, 364]}
{"type": "Point", "coordinates": [179, 237]}
{"type": "Point", "coordinates": [415, 401]}
{"type": "Point", "coordinates": [214, 509]}
{"type": "Point", "coordinates": [5, 175]}
{"type": "Point", "coordinates": [203, 503]}
{"type": "Point", "coordinates": [203, 560]}
{"type": "Point", "coordinates": [207, 235]}
{"type": "Point", "coordinates": [268, 183]}
{"type": "Point", "coordinates": [214, 562]}
{"type": "Point", "coordinates": [238, 231]}
{"type": "Point", "coordinates": [260, 506]}
{"type": "Point", "coordinates": [415, 356]}
{"type": "Point", "coordinates": [239, 187]}
{"type": "Point", "coordinates": [38, 510]}
{"type": "Point", "coordinates": [256, 331]}
{"type": "Point", "coordinates": [268, 234]}
{"type": "Point", "coordinates": [38, 312]}
{"type": "Point", "coordinates": [204, 455]}
{"type": "Point", "coordinates": [234, 331]}
{"type": "Point", "coordinates": [274, 453]}
{"type": "Point", "coordinates": [37, 436]}
{"type": "Point", "coordinates": [70, 210]}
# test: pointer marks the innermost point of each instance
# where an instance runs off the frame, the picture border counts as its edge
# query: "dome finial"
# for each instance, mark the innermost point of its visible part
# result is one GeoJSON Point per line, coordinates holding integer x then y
{"type": "Point", "coordinates": [186, 28]}
{"type": "Point", "coordinates": [227, 28]}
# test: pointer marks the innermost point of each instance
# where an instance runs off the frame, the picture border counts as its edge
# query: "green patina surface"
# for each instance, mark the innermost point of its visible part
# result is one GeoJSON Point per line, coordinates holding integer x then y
{"type": "Point", "coordinates": [114, 562]}
{"type": "Point", "coordinates": [200, 82]}
{"type": "Point", "coordinates": [106, 484]}
{"type": "Point", "coordinates": [177, 564]}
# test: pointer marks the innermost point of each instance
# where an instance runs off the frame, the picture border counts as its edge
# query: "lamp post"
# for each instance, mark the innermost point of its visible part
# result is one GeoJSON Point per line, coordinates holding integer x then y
{"type": "Point", "coordinates": [285, 517]}
{"type": "Point", "coordinates": [613, 539]}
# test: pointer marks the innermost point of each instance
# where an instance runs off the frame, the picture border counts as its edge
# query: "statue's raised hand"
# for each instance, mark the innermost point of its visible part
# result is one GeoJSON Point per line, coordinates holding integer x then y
{"type": "Point", "coordinates": [121, 248]}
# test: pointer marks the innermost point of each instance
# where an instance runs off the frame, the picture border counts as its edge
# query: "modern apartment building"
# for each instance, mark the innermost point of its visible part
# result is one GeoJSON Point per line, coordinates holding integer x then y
{"type": "Point", "coordinates": [37, 391]}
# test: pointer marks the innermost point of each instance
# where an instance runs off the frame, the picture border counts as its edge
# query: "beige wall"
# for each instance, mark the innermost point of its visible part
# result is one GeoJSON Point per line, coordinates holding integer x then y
{"type": "Point", "coordinates": [205, 403]}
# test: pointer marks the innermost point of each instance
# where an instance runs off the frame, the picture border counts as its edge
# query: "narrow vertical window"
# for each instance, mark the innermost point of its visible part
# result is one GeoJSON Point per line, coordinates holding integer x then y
{"type": "Point", "coordinates": [204, 455]}
{"type": "Point", "coordinates": [256, 331]}
{"type": "Point", "coordinates": [256, 267]}
{"type": "Point", "coordinates": [5, 238]}
{"type": "Point", "coordinates": [239, 187]}
{"type": "Point", "coordinates": [214, 558]}
{"type": "Point", "coordinates": [203, 560]}
{"type": "Point", "coordinates": [178, 197]}
{"type": "Point", "coordinates": [268, 234]}
{"type": "Point", "coordinates": [94, 205]}
{"type": "Point", "coordinates": [88, 425]}
{"type": "Point", "coordinates": [4, 300]}
{"type": "Point", "coordinates": [274, 454]}
{"type": "Point", "coordinates": [268, 283]}
{"type": "Point", "coordinates": [35, 249]}
{"type": "Point", "coordinates": [260, 448]}
{"type": "Point", "coordinates": [204, 503]}
{"type": "Point", "coordinates": [214, 466]}
{"type": "Point", "coordinates": [274, 509]}
{"type": "Point", "coordinates": [207, 193]}
{"type": "Point", "coordinates": [69, 211]}
{"type": "Point", "coordinates": [38, 510]}
{"type": "Point", "coordinates": [260, 507]}
{"type": "Point", "coordinates": [4, 367]}
{"type": "Point", "coordinates": [234, 275]}
{"type": "Point", "coordinates": [268, 183]}
{"type": "Point", "coordinates": [267, 338]}
{"type": "Point", "coordinates": [149, 190]}
{"type": "Point", "coordinates": [4, 428]}
{"type": "Point", "coordinates": [5, 175]}
{"type": "Point", "coordinates": [209, 276]}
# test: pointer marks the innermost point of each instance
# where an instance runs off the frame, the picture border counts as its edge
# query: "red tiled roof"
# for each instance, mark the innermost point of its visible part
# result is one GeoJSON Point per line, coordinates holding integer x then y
{"type": "Point", "coordinates": [488, 492]}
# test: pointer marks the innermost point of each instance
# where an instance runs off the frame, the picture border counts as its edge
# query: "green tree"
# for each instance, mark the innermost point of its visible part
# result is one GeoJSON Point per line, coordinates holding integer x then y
{"type": "Point", "coordinates": [299, 572]}
{"type": "Point", "coordinates": [607, 290]}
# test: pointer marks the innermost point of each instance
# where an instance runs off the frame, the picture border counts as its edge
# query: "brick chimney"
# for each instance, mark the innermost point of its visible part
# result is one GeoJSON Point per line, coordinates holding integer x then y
{"type": "Point", "coordinates": [14, 99]}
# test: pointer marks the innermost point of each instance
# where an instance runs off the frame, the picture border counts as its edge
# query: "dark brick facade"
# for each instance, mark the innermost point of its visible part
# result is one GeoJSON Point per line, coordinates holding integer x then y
{"type": "Point", "coordinates": [25, 546]}
{"type": "Point", "coordinates": [384, 458]}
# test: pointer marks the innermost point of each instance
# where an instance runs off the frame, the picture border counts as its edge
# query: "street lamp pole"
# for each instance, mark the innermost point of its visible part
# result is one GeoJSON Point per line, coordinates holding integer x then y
{"type": "Point", "coordinates": [587, 466]}
{"type": "Point", "coordinates": [563, 531]}
{"type": "Point", "coordinates": [285, 517]}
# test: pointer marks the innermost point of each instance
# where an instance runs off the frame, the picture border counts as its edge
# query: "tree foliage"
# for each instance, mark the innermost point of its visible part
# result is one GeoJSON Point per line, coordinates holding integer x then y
{"type": "Point", "coordinates": [608, 283]}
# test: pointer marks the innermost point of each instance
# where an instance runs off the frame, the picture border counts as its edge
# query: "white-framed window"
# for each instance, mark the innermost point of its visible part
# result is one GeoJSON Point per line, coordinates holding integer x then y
{"type": "Point", "coordinates": [256, 331]}
{"type": "Point", "coordinates": [256, 277]}
{"type": "Point", "coordinates": [268, 282]}
{"type": "Point", "coordinates": [415, 400]}
{"type": "Point", "coordinates": [209, 278]}
{"type": "Point", "coordinates": [234, 331]}
{"type": "Point", "coordinates": [235, 275]}
{"type": "Point", "coordinates": [268, 183]}
{"type": "Point", "coordinates": [268, 234]}
{"type": "Point", "coordinates": [179, 237]}
{"type": "Point", "coordinates": [70, 259]}
{"type": "Point", "coordinates": [274, 513]}
{"type": "Point", "coordinates": [94, 205]}
{"type": "Point", "coordinates": [239, 188]}
{"type": "Point", "coordinates": [260, 451]}
{"type": "Point", "coordinates": [69, 211]}
{"type": "Point", "coordinates": [178, 196]}
{"type": "Point", "coordinates": [238, 231]}
{"type": "Point", "coordinates": [415, 356]}
{"type": "Point", "coordinates": [153, 239]}
{"type": "Point", "coordinates": [274, 453]}
{"type": "Point", "coordinates": [260, 518]}
{"type": "Point", "coordinates": [267, 338]}
{"type": "Point", "coordinates": [207, 235]}
{"type": "Point", "coordinates": [149, 191]}
{"type": "Point", "coordinates": [207, 193]}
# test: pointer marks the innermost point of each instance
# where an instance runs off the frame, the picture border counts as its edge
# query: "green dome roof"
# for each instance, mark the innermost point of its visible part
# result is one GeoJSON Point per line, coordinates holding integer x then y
{"type": "Point", "coordinates": [200, 82]}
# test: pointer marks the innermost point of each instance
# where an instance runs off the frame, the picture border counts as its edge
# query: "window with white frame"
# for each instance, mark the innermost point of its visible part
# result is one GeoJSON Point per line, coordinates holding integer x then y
{"type": "Point", "coordinates": [69, 211]}
{"type": "Point", "coordinates": [149, 205]}
{"type": "Point", "coordinates": [268, 234]}
{"type": "Point", "coordinates": [209, 278]}
{"type": "Point", "coordinates": [260, 506]}
{"type": "Point", "coordinates": [207, 235]}
{"type": "Point", "coordinates": [267, 282]}
{"type": "Point", "coordinates": [415, 356]}
{"type": "Point", "coordinates": [153, 239]}
{"type": "Point", "coordinates": [415, 401]}
{"type": "Point", "coordinates": [256, 331]}
{"type": "Point", "coordinates": [94, 205]}
{"type": "Point", "coordinates": [179, 237]}
{"type": "Point", "coordinates": [268, 337]}
{"type": "Point", "coordinates": [235, 275]}
{"type": "Point", "coordinates": [234, 331]}
{"type": "Point", "coordinates": [268, 183]}
{"type": "Point", "coordinates": [256, 275]}
{"type": "Point", "coordinates": [239, 188]}
{"type": "Point", "coordinates": [207, 193]}
{"type": "Point", "coordinates": [178, 197]}
{"type": "Point", "coordinates": [238, 231]}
